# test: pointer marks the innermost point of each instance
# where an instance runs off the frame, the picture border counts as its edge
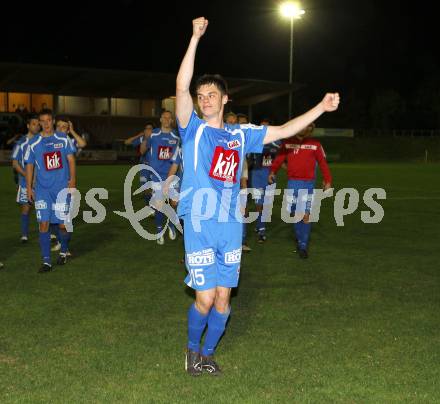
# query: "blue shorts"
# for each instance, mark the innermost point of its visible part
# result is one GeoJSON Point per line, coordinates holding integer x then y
{"type": "Point", "coordinates": [48, 209]}
{"type": "Point", "coordinates": [22, 198]}
{"type": "Point", "coordinates": [213, 255]}
{"type": "Point", "coordinates": [259, 180]}
{"type": "Point", "coordinates": [306, 196]}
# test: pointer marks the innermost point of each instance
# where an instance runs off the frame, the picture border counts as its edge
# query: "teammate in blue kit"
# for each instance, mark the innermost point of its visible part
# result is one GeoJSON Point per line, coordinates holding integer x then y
{"type": "Point", "coordinates": [213, 155]}
{"type": "Point", "coordinates": [18, 164]}
{"type": "Point", "coordinates": [136, 141]}
{"type": "Point", "coordinates": [160, 148]}
{"type": "Point", "coordinates": [65, 125]}
{"type": "Point", "coordinates": [51, 155]}
{"type": "Point", "coordinates": [259, 170]}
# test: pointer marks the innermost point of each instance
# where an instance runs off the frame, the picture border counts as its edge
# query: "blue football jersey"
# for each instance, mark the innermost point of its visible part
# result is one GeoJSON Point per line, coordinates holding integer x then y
{"type": "Point", "coordinates": [264, 159]}
{"type": "Point", "coordinates": [161, 147]}
{"type": "Point", "coordinates": [49, 156]}
{"type": "Point", "coordinates": [143, 159]}
{"type": "Point", "coordinates": [213, 160]}
{"type": "Point", "coordinates": [18, 154]}
{"type": "Point", "coordinates": [177, 159]}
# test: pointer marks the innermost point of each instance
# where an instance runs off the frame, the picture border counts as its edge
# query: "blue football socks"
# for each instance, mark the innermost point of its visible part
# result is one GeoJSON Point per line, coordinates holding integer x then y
{"type": "Point", "coordinates": [45, 247]}
{"type": "Point", "coordinates": [196, 325]}
{"type": "Point", "coordinates": [216, 328]}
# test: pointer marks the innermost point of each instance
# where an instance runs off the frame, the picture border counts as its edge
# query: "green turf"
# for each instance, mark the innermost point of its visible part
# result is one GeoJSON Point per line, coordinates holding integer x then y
{"type": "Point", "coordinates": [356, 323]}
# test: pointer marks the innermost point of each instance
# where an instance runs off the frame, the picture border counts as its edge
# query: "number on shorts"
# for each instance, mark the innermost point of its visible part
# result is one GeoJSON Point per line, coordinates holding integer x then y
{"type": "Point", "coordinates": [197, 276]}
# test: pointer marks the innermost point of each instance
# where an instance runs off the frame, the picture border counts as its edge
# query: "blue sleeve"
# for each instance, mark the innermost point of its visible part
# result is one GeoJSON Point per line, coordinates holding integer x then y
{"type": "Point", "coordinates": [29, 157]}
{"type": "Point", "coordinates": [16, 152]}
{"type": "Point", "coordinates": [177, 159]}
{"type": "Point", "coordinates": [136, 142]}
{"type": "Point", "coordinates": [191, 128]}
{"type": "Point", "coordinates": [71, 148]}
{"type": "Point", "coordinates": [254, 137]}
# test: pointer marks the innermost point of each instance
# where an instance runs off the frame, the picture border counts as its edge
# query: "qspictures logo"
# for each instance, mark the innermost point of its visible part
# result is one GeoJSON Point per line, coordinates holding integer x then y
{"type": "Point", "coordinates": [345, 201]}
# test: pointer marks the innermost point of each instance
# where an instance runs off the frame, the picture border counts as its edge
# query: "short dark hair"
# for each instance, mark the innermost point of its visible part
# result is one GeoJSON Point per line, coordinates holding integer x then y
{"type": "Point", "coordinates": [45, 111]}
{"type": "Point", "coordinates": [30, 117]}
{"type": "Point", "coordinates": [215, 79]}
{"type": "Point", "coordinates": [266, 120]}
{"type": "Point", "coordinates": [149, 123]}
{"type": "Point", "coordinates": [63, 118]}
{"type": "Point", "coordinates": [240, 115]}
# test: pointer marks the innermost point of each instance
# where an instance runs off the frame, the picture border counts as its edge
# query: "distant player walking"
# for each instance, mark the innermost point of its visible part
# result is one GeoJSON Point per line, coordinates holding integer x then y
{"type": "Point", "coordinates": [303, 154]}
{"type": "Point", "coordinates": [51, 154]}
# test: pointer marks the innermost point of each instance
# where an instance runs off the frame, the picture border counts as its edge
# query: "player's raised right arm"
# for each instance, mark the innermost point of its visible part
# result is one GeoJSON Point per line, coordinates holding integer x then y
{"type": "Point", "coordinates": [184, 103]}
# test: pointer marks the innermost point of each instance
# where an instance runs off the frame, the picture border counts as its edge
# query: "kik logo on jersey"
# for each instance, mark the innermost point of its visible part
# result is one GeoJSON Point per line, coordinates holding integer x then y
{"type": "Point", "coordinates": [224, 165]}
{"type": "Point", "coordinates": [267, 160]}
{"type": "Point", "coordinates": [164, 152]}
{"type": "Point", "coordinates": [53, 161]}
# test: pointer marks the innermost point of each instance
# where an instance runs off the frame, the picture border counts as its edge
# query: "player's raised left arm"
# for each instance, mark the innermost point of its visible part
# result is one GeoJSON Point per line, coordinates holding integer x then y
{"type": "Point", "coordinates": [329, 103]}
{"type": "Point", "coordinates": [72, 171]}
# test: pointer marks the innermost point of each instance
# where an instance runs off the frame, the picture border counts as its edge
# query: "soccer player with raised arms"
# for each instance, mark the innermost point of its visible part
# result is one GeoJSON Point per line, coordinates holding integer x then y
{"type": "Point", "coordinates": [213, 154]}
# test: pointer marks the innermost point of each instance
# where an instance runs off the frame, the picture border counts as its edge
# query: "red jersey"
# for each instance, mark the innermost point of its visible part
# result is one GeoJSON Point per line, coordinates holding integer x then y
{"type": "Point", "coordinates": [302, 156]}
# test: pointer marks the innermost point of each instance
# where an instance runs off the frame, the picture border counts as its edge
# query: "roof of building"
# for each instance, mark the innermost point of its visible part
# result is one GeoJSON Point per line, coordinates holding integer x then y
{"type": "Point", "coordinates": [92, 82]}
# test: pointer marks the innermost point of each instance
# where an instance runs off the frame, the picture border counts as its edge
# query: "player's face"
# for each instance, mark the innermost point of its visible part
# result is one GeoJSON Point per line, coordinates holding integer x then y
{"type": "Point", "coordinates": [264, 123]}
{"type": "Point", "coordinates": [62, 127]}
{"type": "Point", "coordinates": [46, 123]}
{"type": "Point", "coordinates": [242, 120]}
{"type": "Point", "coordinates": [33, 126]}
{"type": "Point", "coordinates": [306, 132]}
{"type": "Point", "coordinates": [231, 120]}
{"type": "Point", "coordinates": [166, 120]}
{"type": "Point", "coordinates": [148, 129]}
{"type": "Point", "coordinates": [210, 100]}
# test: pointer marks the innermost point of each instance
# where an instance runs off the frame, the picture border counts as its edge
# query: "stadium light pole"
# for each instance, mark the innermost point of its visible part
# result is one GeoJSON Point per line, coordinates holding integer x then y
{"type": "Point", "coordinates": [294, 12]}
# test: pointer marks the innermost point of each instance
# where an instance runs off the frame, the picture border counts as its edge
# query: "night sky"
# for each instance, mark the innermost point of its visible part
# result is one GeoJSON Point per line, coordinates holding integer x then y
{"type": "Point", "coordinates": [360, 48]}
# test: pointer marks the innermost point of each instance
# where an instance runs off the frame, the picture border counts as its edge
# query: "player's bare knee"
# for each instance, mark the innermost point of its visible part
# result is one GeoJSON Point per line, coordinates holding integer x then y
{"type": "Point", "coordinates": [25, 209]}
{"type": "Point", "coordinates": [204, 302]}
{"type": "Point", "coordinates": [222, 298]}
{"type": "Point", "coordinates": [306, 218]}
{"type": "Point", "coordinates": [44, 227]}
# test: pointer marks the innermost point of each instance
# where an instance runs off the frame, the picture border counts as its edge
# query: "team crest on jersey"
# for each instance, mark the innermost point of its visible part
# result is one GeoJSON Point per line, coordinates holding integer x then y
{"type": "Point", "coordinates": [58, 145]}
{"type": "Point", "coordinates": [234, 144]}
{"type": "Point", "coordinates": [224, 165]}
{"type": "Point", "coordinates": [172, 141]}
{"type": "Point", "coordinates": [164, 152]}
{"type": "Point", "coordinates": [53, 161]}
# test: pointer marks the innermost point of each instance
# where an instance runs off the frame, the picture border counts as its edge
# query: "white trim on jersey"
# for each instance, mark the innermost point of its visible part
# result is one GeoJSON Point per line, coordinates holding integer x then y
{"type": "Point", "coordinates": [199, 132]}
{"type": "Point", "coordinates": [15, 152]}
{"type": "Point", "coordinates": [176, 152]}
{"type": "Point", "coordinates": [62, 138]}
{"type": "Point", "coordinates": [34, 144]}
{"type": "Point", "coordinates": [239, 131]}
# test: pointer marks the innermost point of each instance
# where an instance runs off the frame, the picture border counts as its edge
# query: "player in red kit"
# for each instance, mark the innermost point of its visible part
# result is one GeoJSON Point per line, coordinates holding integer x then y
{"type": "Point", "coordinates": [303, 154]}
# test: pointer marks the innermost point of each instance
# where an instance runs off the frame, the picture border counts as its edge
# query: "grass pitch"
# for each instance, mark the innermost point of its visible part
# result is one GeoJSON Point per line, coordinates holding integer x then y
{"type": "Point", "coordinates": [357, 322]}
